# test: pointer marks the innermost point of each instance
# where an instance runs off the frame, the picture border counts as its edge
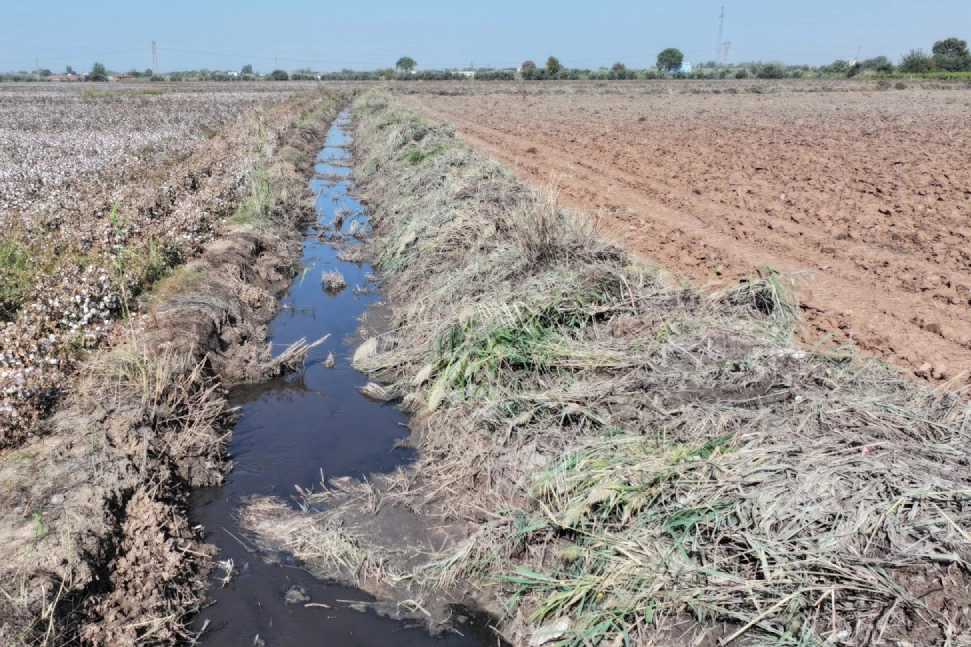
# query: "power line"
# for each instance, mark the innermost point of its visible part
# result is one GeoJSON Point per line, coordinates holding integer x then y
{"type": "Point", "coordinates": [261, 58]}
{"type": "Point", "coordinates": [96, 55]}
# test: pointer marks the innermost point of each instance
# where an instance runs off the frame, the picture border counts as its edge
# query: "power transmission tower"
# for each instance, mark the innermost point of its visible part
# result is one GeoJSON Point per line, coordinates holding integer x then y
{"type": "Point", "coordinates": [724, 58]}
{"type": "Point", "coordinates": [154, 58]}
{"type": "Point", "coordinates": [721, 32]}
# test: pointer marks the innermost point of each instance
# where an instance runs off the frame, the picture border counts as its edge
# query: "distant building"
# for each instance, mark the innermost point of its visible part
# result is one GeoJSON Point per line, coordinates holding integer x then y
{"type": "Point", "coordinates": [63, 77]}
{"type": "Point", "coordinates": [684, 67]}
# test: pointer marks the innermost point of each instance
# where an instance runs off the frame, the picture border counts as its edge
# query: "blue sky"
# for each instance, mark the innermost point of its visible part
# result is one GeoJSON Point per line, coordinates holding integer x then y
{"type": "Point", "coordinates": [366, 34]}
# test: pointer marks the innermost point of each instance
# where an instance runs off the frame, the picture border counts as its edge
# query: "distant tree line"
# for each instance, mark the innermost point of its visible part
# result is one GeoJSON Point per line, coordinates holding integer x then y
{"type": "Point", "coordinates": [948, 56]}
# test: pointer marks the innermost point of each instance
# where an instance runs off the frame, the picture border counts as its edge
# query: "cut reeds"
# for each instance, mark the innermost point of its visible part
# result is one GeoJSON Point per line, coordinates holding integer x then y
{"type": "Point", "coordinates": [340, 214]}
{"type": "Point", "coordinates": [332, 281]}
{"type": "Point", "coordinates": [295, 355]}
{"type": "Point", "coordinates": [377, 392]}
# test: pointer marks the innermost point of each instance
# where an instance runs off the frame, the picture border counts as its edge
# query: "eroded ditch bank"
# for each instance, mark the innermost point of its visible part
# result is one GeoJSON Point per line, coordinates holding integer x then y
{"type": "Point", "coordinates": [604, 458]}
{"type": "Point", "coordinates": [298, 430]}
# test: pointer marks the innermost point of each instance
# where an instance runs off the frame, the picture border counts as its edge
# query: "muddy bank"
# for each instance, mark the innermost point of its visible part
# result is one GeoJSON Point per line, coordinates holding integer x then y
{"type": "Point", "coordinates": [96, 546]}
{"type": "Point", "coordinates": [605, 458]}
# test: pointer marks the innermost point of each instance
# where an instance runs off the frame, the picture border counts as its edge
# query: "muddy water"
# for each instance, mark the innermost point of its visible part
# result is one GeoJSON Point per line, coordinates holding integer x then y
{"type": "Point", "coordinates": [296, 429]}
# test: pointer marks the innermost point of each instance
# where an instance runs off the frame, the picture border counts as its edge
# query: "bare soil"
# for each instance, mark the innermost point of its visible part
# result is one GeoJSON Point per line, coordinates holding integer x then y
{"type": "Point", "coordinates": [865, 194]}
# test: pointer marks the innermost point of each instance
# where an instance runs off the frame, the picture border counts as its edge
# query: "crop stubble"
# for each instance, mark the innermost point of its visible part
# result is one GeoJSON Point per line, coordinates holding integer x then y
{"type": "Point", "coordinates": [868, 194]}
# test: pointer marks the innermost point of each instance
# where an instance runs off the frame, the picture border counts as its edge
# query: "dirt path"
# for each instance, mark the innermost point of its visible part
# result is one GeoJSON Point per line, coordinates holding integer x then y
{"type": "Point", "coordinates": [867, 194]}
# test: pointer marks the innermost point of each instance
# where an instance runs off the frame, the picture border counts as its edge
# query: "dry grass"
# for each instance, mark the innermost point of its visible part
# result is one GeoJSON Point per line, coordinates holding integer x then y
{"type": "Point", "coordinates": [170, 391]}
{"type": "Point", "coordinates": [640, 457]}
{"type": "Point", "coordinates": [294, 356]}
{"type": "Point", "coordinates": [332, 546]}
{"type": "Point", "coordinates": [332, 281]}
{"type": "Point", "coordinates": [340, 214]}
{"type": "Point", "coordinates": [22, 625]}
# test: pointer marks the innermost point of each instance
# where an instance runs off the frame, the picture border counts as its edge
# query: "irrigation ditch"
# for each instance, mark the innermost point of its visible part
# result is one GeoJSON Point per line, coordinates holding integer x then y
{"type": "Point", "coordinates": [606, 455]}
{"type": "Point", "coordinates": [300, 430]}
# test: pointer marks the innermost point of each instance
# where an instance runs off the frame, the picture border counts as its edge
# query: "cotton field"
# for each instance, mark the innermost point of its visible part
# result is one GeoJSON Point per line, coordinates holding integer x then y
{"type": "Point", "coordinates": [101, 191]}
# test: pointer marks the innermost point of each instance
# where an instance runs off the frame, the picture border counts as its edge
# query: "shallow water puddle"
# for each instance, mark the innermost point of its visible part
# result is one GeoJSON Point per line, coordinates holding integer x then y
{"type": "Point", "coordinates": [294, 430]}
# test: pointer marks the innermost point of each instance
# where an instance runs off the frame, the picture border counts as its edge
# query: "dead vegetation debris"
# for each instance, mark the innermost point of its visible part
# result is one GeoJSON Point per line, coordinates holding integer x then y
{"type": "Point", "coordinates": [332, 281]}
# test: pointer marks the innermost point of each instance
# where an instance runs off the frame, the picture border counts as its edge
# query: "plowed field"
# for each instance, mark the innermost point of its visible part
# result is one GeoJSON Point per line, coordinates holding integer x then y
{"type": "Point", "coordinates": [866, 194]}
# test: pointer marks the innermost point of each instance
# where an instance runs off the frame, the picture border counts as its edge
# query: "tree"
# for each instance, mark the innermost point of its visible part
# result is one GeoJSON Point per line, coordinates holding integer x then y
{"type": "Point", "coordinates": [247, 69]}
{"type": "Point", "coordinates": [951, 55]}
{"type": "Point", "coordinates": [619, 72]}
{"type": "Point", "coordinates": [878, 64]}
{"type": "Point", "coordinates": [406, 64]}
{"type": "Point", "coordinates": [98, 73]}
{"type": "Point", "coordinates": [839, 66]}
{"type": "Point", "coordinates": [527, 65]}
{"type": "Point", "coordinates": [773, 71]}
{"type": "Point", "coordinates": [916, 61]}
{"type": "Point", "coordinates": [670, 59]}
{"type": "Point", "coordinates": [553, 66]}
{"type": "Point", "coordinates": [148, 72]}
{"type": "Point", "coordinates": [69, 70]}
{"type": "Point", "coordinates": [950, 47]}
{"type": "Point", "coordinates": [279, 75]}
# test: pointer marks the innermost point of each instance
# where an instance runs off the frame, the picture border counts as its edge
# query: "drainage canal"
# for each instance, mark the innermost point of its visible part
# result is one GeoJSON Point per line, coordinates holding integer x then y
{"type": "Point", "coordinates": [292, 431]}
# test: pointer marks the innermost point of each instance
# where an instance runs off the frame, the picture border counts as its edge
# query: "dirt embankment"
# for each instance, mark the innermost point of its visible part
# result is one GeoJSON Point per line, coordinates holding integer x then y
{"type": "Point", "coordinates": [95, 546]}
{"type": "Point", "coordinates": [866, 194]}
{"type": "Point", "coordinates": [607, 459]}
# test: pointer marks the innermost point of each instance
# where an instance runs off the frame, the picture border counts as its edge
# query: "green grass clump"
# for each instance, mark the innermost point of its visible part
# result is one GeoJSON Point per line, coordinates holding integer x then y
{"type": "Point", "coordinates": [417, 155]}
{"type": "Point", "coordinates": [18, 273]}
{"type": "Point", "coordinates": [255, 207]}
